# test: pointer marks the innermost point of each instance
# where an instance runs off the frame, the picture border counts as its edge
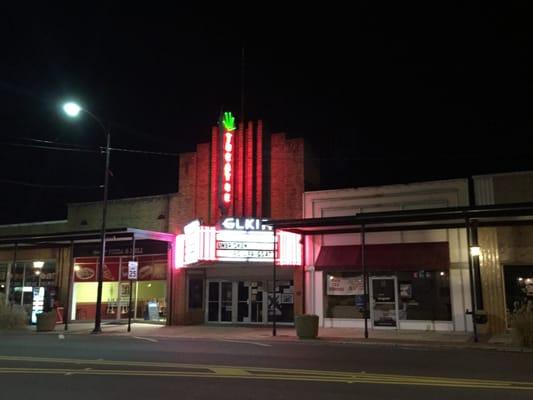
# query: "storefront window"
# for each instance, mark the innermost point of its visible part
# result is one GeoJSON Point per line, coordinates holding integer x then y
{"type": "Point", "coordinates": [344, 295]}
{"type": "Point", "coordinates": [3, 278]}
{"type": "Point", "coordinates": [518, 287]}
{"type": "Point", "coordinates": [148, 292]}
{"type": "Point", "coordinates": [422, 295]}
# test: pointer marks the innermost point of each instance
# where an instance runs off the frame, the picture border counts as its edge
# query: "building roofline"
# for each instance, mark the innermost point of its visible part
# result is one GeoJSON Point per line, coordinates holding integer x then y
{"type": "Point", "coordinates": [84, 203]}
{"type": "Point", "coordinates": [58, 221]}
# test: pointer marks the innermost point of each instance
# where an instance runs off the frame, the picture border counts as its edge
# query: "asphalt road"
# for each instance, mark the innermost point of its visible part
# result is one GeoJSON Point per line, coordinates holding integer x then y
{"type": "Point", "coordinates": [79, 366]}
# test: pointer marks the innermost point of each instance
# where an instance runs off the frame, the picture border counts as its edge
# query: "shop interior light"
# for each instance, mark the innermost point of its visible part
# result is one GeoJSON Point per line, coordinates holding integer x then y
{"type": "Point", "coordinates": [442, 273]}
{"type": "Point", "coordinates": [475, 251]}
{"type": "Point", "coordinates": [38, 264]}
{"type": "Point", "coordinates": [520, 279]}
{"type": "Point", "coordinates": [37, 272]}
{"type": "Point", "coordinates": [76, 267]}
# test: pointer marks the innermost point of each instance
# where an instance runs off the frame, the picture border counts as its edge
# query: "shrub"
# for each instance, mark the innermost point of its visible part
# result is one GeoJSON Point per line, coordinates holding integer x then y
{"type": "Point", "coordinates": [12, 316]}
{"type": "Point", "coordinates": [522, 324]}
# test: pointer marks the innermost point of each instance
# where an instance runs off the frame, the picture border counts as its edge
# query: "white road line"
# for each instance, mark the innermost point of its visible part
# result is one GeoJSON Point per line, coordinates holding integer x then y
{"type": "Point", "coordinates": [244, 342]}
{"type": "Point", "coordinates": [147, 339]}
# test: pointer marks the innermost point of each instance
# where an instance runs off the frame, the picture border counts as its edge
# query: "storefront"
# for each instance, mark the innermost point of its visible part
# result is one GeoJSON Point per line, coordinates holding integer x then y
{"type": "Point", "coordinates": [149, 291]}
{"type": "Point", "coordinates": [229, 269]}
{"type": "Point", "coordinates": [408, 284]}
{"type": "Point", "coordinates": [62, 269]}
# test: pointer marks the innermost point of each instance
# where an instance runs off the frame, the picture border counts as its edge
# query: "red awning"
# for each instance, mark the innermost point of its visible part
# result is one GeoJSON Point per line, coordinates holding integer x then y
{"type": "Point", "coordinates": [386, 257]}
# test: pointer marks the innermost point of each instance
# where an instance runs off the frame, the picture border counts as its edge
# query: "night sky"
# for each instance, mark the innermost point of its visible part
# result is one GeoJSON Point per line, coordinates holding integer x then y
{"type": "Point", "coordinates": [384, 95]}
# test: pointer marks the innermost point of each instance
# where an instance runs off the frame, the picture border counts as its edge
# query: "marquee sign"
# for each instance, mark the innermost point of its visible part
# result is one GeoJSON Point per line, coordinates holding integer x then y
{"type": "Point", "coordinates": [244, 246]}
{"type": "Point", "coordinates": [237, 240]}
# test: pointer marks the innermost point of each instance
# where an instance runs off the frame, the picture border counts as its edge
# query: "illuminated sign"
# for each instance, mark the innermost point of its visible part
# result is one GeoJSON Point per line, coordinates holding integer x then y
{"type": "Point", "coordinates": [38, 303]}
{"type": "Point", "coordinates": [227, 157]}
{"type": "Point", "coordinates": [239, 240]}
{"type": "Point", "coordinates": [244, 224]}
{"type": "Point", "coordinates": [240, 245]}
{"type": "Point", "coordinates": [192, 242]}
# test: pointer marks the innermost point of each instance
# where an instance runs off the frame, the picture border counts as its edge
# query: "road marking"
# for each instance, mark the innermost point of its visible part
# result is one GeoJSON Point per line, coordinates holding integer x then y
{"type": "Point", "coordinates": [223, 371]}
{"type": "Point", "coordinates": [245, 342]}
{"type": "Point", "coordinates": [237, 374]}
{"type": "Point", "coordinates": [147, 339]}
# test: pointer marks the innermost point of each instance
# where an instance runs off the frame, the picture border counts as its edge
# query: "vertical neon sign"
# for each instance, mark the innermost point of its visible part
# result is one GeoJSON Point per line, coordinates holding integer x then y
{"type": "Point", "coordinates": [228, 123]}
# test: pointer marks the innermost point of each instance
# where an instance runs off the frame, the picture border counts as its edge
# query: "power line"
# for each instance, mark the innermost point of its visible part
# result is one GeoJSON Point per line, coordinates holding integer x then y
{"type": "Point", "coordinates": [38, 185]}
{"type": "Point", "coordinates": [62, 147]}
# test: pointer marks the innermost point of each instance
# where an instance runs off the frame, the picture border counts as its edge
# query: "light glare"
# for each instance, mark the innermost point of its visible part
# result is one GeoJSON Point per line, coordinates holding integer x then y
{"type": "Point", "coordinates": [71, 109]}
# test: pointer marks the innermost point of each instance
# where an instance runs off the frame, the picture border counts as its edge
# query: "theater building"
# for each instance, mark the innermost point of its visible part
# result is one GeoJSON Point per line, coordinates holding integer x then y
{"type": "Point", "coordinates": [225, 255]}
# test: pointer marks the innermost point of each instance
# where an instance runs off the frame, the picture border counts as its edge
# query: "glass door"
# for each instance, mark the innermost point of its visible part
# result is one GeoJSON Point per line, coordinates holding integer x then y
{"type": "Point", "coordinates": [226, 301]}
{"type": "Point", "coordinates": [384, 301]}
{"type": "Point", "coordinates": [256, 301]}
{"type": "Point", "coordinates": [250, 302]}
{"type": "Point", "coordinates": [219, 301]}
{"type": "Point", "coordinates": [243, 301]}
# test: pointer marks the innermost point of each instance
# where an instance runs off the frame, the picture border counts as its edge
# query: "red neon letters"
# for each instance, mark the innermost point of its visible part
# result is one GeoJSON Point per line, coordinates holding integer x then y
{"type": "Point", "coordinates": [228, 157]}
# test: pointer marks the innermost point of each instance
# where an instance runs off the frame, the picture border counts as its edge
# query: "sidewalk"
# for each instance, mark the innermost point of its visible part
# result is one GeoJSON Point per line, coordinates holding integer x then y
{"type": "Point", "coordinates": [337, 335]}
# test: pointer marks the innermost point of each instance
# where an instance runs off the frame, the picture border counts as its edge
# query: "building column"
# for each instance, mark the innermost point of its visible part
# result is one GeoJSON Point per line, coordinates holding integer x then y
{"type": "Point", "coordinates": [492, 283]}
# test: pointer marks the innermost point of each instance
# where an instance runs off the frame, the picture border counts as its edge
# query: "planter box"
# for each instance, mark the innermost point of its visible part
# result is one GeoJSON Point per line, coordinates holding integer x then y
{"type": "Point", "coordinates": [306, 326]}
{"type": "Point", "coordinates": [46, 321]}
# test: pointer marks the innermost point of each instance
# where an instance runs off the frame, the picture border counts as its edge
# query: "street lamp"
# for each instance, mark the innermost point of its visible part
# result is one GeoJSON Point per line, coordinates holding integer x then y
{"type": "Point", "coordinates": [72, 109]}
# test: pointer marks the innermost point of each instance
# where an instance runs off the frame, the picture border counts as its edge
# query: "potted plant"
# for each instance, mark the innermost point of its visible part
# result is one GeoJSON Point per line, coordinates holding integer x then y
{"type": "Point", "coordinates": [46, 321]}
{"type": "Point", "coordinates": [307, 326]}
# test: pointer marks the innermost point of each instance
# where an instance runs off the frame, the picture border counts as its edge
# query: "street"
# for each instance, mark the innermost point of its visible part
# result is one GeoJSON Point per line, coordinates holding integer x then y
{"type": "Point", "coordinates": [82, 366]}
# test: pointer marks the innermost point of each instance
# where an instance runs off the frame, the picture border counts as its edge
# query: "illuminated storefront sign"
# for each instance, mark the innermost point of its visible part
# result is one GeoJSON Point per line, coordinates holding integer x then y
{"type": "Point", "coordinates": [244, 224]}
{"type": "Point", "coordinates": [238, 240]}
{"type": "Point", "coordinates": [228, 123]}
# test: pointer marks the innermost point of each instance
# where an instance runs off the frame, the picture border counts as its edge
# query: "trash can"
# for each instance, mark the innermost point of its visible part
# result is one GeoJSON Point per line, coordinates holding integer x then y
{"type": "Point", "coordinates": [307, 326]}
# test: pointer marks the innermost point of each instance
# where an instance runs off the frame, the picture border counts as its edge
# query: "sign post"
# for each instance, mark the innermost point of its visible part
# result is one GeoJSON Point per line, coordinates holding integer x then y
{"type": "Point", "coordinates": [133, 269]}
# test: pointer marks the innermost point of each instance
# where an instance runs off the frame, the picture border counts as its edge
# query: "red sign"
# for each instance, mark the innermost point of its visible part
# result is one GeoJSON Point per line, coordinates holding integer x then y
{"type": "Point", "coordinates": [227, 172]}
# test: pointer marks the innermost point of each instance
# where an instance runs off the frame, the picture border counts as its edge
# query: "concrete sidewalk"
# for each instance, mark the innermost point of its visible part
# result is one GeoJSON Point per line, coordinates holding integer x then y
{"type": "Point", "coordinates": [284, 333]}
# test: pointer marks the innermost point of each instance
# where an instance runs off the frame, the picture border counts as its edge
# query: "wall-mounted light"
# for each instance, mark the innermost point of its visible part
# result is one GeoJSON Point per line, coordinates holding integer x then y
{"type": "Point", "coordinates": [38, 264]}
{"type": "Point", "coordinates": [475, 251]}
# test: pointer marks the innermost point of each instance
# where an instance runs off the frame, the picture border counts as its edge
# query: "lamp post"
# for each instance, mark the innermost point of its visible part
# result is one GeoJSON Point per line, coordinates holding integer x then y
{"type": "Point", "coordinates": [73, 110]}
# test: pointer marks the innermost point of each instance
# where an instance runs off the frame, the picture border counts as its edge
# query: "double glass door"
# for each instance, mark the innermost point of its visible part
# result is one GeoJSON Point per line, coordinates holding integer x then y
{"type": "Point", "coordinates": [236, 301]}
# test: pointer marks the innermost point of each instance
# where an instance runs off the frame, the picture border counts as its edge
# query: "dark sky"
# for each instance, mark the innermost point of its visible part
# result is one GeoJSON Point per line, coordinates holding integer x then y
{"type": "Point", "coordinates": [384, 94]}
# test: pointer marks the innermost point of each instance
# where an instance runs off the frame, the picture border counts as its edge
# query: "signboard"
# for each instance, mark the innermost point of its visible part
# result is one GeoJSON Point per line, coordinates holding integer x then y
{"type": "Point", "coordinates": [244, 224]}
{"type": "Point", "coordinates": [244, 246]}
{"type": "Point", "coordinates": [38, 303]}
{"type": "Point", "coordinates": [133, 270]}
{"type": "Point", "coordinates": [153, 311]}
{"type": "Point", "coordinates": [227, 124]}
{"type": "Point", "coordinates": [339, 286]}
